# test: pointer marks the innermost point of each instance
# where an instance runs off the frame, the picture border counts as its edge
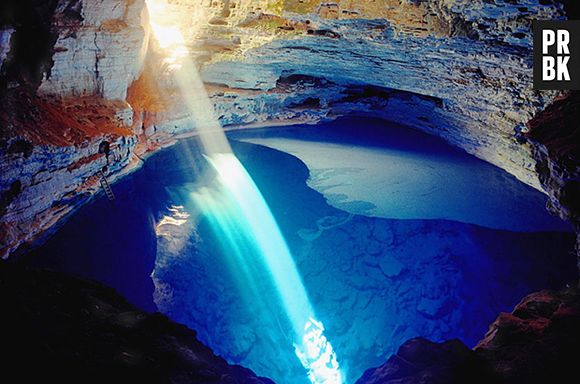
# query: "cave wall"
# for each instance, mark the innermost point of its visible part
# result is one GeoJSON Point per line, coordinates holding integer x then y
{"type": "Point", "coordinates": [99, 49]}
{"type": "Point", "coordinates": [461, 71]}
{"type": "Point", "coordinates": [554, 135]}
{"type": "Point", "coordinates": [65, 71]}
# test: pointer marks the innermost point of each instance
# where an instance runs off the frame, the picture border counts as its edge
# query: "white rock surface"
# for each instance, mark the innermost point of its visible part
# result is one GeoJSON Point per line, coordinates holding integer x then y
{"type": "Point", "coordinates": [103, 55]}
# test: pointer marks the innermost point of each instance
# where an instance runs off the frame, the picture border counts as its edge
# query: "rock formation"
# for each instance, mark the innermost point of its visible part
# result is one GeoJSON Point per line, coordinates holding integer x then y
{"type": "Point", "coordinates": [536, 343]}
{"type": "Point", "coordinates": [66, 329]}
{"type": "Point", "coordinates": [462, 72]}
{"type": "Point", "coordinates": [555, 137]}
{"type": "Point", "coordinates": [69, 330]}
{"type": "Point", "coordinates": [65, 73]}
{"type": "Point", "coordinates": [76, 72]}
{"type": "Point", "coordinates": [99, 49]}
{"type": "Point", "coordinates": [422, 361]}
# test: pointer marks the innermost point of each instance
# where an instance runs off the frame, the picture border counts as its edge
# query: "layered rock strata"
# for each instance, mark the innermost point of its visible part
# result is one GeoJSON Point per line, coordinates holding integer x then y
{"type": "Point", "coordinates": [456, 70]}
{"type": "Point", "coordinates": [61, 103]}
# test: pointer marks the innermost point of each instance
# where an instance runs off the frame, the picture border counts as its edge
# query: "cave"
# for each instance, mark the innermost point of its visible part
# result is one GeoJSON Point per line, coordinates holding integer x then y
{"type": "Point", "coordinates": [294, 192]}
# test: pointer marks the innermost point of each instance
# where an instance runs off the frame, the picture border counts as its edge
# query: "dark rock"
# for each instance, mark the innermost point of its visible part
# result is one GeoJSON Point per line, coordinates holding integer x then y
{"type": "Point", "coordinates": [20, 146]}
{"type": "Point", "coordinates": [323, 32]}
{"type": "Point", "coordinates": [308, 103]}
{"type": "Point", "coordinates": [555, 138]}
{"type": "Point", "coordinates": [356, 93]}
{"type": "Point", "coordinates": [58, 328]}
{"type": "Point", "coordinates": [571, 7]}
{"type": "Point", "coordinates": [422, 361]}
{"type": "Point", "coordinates": [32, 21]}
{"type": "Point", "coordinates": [9, 194]}
{"type": "Point", "coordinates": [537, 343]}
{"type": "Point", "coordinates": [289, 80]}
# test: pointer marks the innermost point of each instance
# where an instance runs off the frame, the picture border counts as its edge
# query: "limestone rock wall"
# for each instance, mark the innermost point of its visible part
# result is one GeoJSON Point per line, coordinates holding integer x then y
{"type": "Point", "coordinates": [458, 70]}
{"type": "Point", "coordinates": [99, 50]}
{"type": "Point", "coordinates": [37, 196]}
{"type": "Point", "coordinates": [475, 58]}
{"type": "Point", "coordinates": [53, 167]}
{"type": "Point", "coordinates": [52, 128]}
{"type": "Point", "coordinates": [5, 36]}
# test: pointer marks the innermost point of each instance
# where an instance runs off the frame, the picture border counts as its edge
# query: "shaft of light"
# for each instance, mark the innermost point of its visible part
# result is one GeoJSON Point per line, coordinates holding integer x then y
{"type": "Point", "coordinates": [259, 226]}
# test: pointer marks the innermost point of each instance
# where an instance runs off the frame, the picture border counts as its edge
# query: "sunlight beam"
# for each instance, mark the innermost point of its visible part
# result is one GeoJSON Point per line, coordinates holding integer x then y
{"type": "Point", "coordinates": [241, 214]}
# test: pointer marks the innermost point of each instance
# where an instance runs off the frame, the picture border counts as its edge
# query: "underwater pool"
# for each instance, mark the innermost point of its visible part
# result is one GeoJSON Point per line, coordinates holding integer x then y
{"type": "Point", "coordinates": [395, 234]}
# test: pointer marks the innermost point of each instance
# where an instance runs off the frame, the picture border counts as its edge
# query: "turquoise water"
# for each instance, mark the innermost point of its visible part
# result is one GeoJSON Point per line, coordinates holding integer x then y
{"type": "Point", "coordinates": [374, 280]}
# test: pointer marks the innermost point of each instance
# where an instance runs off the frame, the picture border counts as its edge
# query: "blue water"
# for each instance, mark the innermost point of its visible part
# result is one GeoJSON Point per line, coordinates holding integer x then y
{"type": "Point", "coordinates": [394, 173]}
{"type": "Point", "coordinates": [373, 281]}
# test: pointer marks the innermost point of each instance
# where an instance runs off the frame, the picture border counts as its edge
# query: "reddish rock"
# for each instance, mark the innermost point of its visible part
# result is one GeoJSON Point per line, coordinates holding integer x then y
{"type": "Point", "coordinates": [537, 343]}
